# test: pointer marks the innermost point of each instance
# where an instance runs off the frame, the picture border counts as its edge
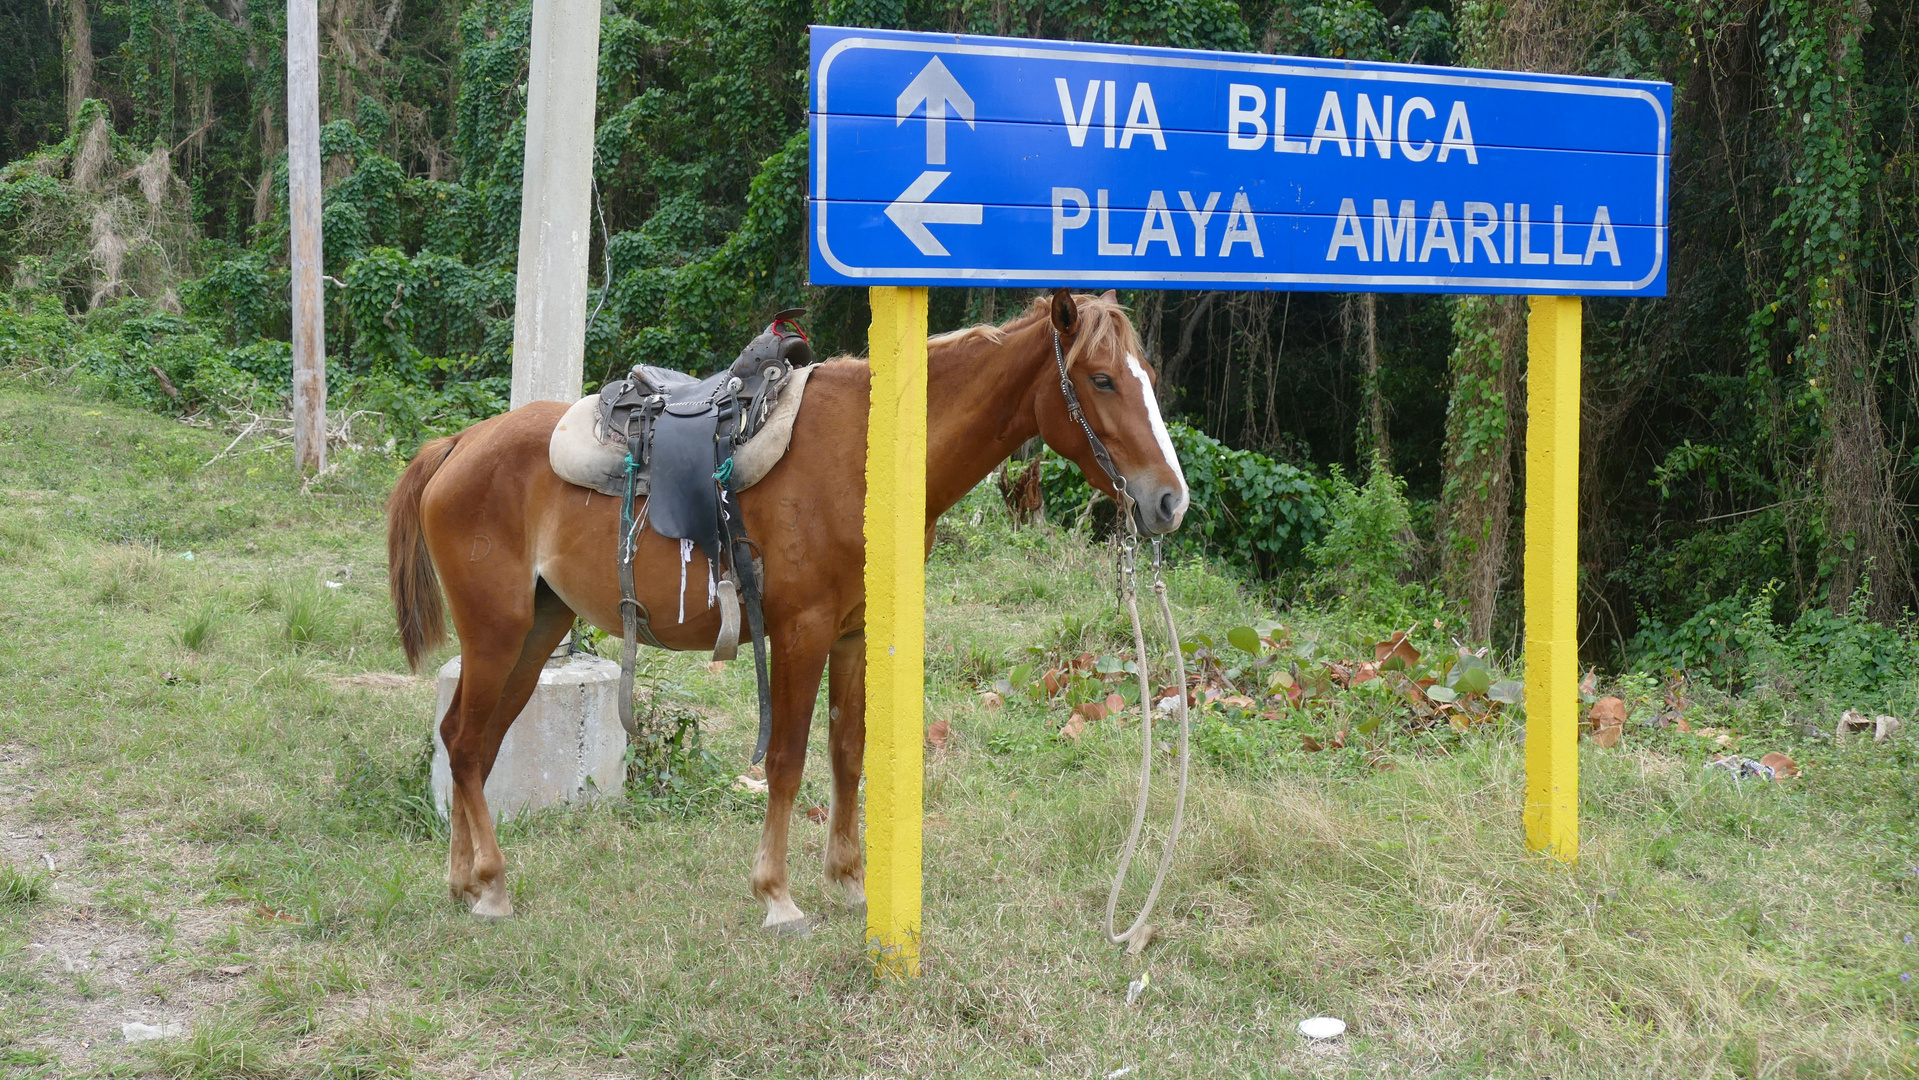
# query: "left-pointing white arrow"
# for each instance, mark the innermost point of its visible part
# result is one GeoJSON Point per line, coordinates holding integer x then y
{"type": "Point", "coordinates": [935, 86]}
{"type": "Point", "coordinates": [912, 213]}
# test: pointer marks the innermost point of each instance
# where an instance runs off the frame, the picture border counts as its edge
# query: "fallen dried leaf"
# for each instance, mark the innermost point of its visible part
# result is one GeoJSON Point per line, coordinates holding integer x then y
{"type": "Point", "coordinates": [1337, 742]}
{"type": "Point", "coordinates": [715, 667]}
{"type": "Point", "coordinates": [231, 969]}
{"type": "Point", "coordinates": [1237, 701]}
{"type": "Point", "coordinates": [937, 734]}
{"type": "Point", "coordinates": [1782, 766]}
{"type": "Point", "coordinates": [1114, 704]}
{"type": "Point", "coordinates": [746, 783]}
{"type": "Point", "coordinates": [1884, 727]}
{"type": "Point", "coordinates": [757, 772]}
{"type": "Point", "coordinates": [1607, 712]}
{"type": "Point", "coordinates": [1074, 726]}
{"type": "Point", "coordinates": [1053, 681]}
{"type": "Point", "coordinates": [1397, 645]}
{"type": "Point", "coordinates": [1310, 744]}
{"type": "Point", "coordinates": [1366, 672]}
{"type": "Point", "coordinates": [1607, 737]}
{"type": "Point", "coordinates": [1590, 684]}
{"type": "Point", "coordinates": [816, 814]}
{"type": "Point", "coordinates": [272, 914]}
{"type": "Point", "coordinates": [1091, 711]}
{"type": "Point", "coordinates": [992, 700]}
{"type": "Point", "coordinates": [1083, 663]}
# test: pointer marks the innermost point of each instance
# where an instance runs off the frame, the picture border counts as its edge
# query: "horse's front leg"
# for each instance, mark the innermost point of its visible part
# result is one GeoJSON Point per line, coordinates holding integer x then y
{"type": "Point", "coordinates": [799, 658]}
{"type": "Point", "coordinates": [846, 716]}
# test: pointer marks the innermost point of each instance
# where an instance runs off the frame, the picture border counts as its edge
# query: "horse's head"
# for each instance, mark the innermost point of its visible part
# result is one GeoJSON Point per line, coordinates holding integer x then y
{"type": "Point", "coordinates": [1115, 392]}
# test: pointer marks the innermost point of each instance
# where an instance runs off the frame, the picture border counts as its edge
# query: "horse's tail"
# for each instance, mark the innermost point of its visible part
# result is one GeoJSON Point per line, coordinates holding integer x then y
{"type": "Point", "coordinates": [417, 606]}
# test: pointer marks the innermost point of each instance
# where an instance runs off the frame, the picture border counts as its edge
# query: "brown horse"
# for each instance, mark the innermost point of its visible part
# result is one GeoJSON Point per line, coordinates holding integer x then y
{"type": "Point", "coordinates": [520, 552]}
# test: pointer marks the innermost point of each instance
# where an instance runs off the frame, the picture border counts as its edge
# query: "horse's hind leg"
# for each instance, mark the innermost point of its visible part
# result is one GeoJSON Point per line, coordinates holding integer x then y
{"type": "Point", "coordinates": [497, 678]}
{"type": "Point", "coordinates": [459, 870]}
{"type": "Point", "coordinates": [846, 727]}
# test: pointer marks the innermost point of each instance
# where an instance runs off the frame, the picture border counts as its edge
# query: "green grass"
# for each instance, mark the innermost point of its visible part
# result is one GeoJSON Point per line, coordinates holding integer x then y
{"type": "Point", "coordinates": [19, 888]}
{"type": "Point", "coordinates": [227, 793]}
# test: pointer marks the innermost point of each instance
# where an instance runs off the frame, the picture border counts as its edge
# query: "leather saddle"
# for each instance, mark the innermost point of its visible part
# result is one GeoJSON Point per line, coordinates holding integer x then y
{"type": "Point", "coordinates": [682, 430]}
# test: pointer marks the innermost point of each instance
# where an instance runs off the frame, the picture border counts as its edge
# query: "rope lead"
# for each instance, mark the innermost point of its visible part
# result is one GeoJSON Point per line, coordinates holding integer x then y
{"type": "Point", "coordinates": [1130, 593]}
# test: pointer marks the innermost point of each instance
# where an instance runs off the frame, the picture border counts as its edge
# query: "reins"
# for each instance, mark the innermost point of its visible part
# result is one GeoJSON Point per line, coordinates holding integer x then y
{"type": "Point", "coordinates": [1128, 542]}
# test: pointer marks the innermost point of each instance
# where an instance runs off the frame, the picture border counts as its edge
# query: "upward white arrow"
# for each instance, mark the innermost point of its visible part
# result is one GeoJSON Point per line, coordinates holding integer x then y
{"type": "Point", "coordinates": [936, 88]}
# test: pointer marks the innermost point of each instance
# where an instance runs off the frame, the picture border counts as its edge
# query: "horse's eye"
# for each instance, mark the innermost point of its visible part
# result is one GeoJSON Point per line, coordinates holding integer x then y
{"type": "Point", "coordinates": [1103, 382]}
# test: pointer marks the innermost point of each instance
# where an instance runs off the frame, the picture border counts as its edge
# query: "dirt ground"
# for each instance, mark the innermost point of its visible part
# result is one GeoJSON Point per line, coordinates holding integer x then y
{"type": "Point", "coordinates": [100, 966]}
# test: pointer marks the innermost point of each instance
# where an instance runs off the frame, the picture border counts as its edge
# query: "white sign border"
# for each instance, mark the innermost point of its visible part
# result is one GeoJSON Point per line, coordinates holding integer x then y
{"type": "Point", "coordinates": [820, 203]}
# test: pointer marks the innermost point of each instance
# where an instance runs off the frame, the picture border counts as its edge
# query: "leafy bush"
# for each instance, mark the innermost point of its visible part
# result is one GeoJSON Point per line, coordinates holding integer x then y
{"type": "Point", "coordinates": [1361, 563]}
{"type": "Point", "coordinates": [1254, 512]}
{"type": "Point", "coordinates": [1735, 640]}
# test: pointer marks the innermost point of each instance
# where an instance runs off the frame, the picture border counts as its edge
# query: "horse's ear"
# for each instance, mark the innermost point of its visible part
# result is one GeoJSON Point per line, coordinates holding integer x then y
{"type": "Point", "coordinates": [1065, 312]}
{"type": "Point", "coordinates": [1111, 296]}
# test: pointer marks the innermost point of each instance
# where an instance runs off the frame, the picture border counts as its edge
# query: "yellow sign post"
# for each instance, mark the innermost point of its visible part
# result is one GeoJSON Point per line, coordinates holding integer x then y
{"type": "Point", "coordinates": [1552, 577]}
{"type": "Point", "coordinates": [895, 625]}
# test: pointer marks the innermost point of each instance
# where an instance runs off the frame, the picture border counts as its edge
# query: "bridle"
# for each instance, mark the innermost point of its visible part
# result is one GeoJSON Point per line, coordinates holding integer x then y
{"type": "Point", "coordinates": [1127, 540]}
{"type": "Point", "coordinates": [1128, 507]}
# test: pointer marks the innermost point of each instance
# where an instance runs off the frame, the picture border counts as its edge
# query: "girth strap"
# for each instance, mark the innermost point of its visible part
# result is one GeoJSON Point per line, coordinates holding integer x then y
{"type": "Point", "coordinates": [636, 623]}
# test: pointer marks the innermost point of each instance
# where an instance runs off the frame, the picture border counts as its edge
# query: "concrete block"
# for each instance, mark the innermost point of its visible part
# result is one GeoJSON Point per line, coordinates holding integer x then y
{"type": "Point", "coordinates": [566, 746]}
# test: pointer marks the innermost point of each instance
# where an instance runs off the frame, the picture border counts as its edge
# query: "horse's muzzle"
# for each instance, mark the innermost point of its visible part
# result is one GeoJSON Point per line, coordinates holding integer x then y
{"type": "Point", "coordinates": [1162, 508]}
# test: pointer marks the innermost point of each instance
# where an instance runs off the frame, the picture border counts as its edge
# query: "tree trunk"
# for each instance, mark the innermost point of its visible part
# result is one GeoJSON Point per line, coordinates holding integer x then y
{"type": "Point", "coordinates": [1359, 318]}
{"type": "Point", "coordinates": [1484, 419]}
{"type": "Point", "coordinates": [1382, 450]}
{"type": "Point", "coordinates": [79, 58]}
{"type": "Point", "coordinates": [1867, 538]}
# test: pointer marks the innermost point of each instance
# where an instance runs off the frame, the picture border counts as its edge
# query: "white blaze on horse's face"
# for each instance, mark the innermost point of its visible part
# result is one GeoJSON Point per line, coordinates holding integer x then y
{"type": "Point", "coordinates": [1169, 512]}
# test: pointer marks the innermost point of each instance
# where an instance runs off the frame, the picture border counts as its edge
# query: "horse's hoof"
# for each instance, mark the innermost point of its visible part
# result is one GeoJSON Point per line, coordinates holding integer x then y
{"type": "Point", "coordinates": [791, 928]}
{"type": "Point", "coordinates": [493, 907]}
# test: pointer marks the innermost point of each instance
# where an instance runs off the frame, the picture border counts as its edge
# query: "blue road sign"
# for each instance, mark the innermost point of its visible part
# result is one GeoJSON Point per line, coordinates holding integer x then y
{"type": "Point", "coordinates": [941, 159]}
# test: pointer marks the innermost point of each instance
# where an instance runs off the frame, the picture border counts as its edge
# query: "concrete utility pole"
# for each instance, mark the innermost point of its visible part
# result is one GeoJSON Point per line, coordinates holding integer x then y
{"type": "Point", "coordinates": [556, 204]}
{"type": "Point", "coordinates": [303, 195]}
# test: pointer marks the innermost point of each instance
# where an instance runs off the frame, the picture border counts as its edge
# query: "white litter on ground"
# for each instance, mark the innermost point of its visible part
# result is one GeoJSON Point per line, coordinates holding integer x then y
{"type": "Point", "coordinates": [1322, 1027]}
{"type": "Point", "coordinates": [135, 1031]}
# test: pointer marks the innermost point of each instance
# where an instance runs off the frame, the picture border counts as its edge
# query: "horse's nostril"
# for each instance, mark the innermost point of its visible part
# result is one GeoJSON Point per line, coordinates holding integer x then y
{"type": "Point", "coordinates": [1168, 504]}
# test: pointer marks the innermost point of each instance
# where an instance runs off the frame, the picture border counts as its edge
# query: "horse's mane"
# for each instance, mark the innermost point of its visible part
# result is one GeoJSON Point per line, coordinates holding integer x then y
{"type": "Point", "coordinates": [1104, 324]}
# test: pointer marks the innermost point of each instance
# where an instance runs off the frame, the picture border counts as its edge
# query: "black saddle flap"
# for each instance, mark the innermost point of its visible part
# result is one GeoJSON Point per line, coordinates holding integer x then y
{"type": "Point", "coordinates": [683, 503]}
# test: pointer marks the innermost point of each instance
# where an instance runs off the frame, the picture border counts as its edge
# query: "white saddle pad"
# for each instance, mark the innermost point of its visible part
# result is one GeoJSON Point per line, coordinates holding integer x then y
{"type": "Point", "coordinates": [581, 454]}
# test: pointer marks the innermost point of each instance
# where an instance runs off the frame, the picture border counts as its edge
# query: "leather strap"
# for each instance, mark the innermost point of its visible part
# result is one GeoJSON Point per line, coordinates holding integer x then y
{"type": "Point", "coordinates": [1078, 414]}
{"type": "Point", "coordinates": [635, 622]}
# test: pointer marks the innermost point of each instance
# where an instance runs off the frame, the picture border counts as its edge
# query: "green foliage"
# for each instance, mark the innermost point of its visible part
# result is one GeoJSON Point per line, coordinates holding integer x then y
{"type": "Point", "coordinates": [1795, 196]}
{"type": "Point", "coordinates": [1256, 513]}
{"type": "Point", "coordinates": [389, 791]}
{"type": "Point", "coordinates": [21, 888]}
{"type": "Point", "coordinates": [1361, 561]}
{"type": "Point", "coordinates": [1844, 660]}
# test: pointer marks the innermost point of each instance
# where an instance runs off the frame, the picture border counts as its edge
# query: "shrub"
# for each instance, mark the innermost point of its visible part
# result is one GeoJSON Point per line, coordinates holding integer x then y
{"type": "Point", "coordinates": [1359, 565]}
{"type": "Point", "coordinates": [1256, 513]}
